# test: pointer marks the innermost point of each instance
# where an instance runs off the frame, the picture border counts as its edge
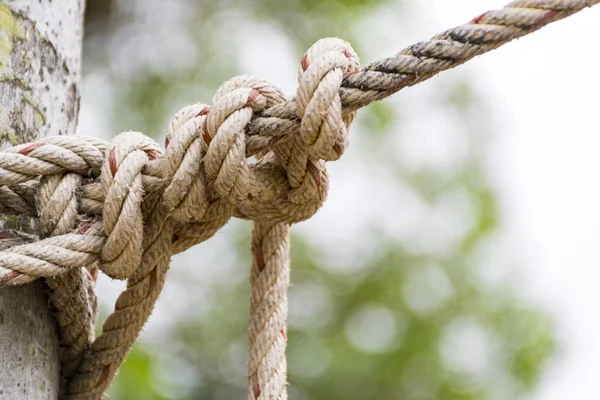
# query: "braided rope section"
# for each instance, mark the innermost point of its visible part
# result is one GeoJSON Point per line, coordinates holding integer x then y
{"type": "Point", "coordinates": [267, 337]}
{"type": "Point", "coordinates": [126, 206]}
{"type": "Point", "coordinates": [419, 62]}
{"type": "Point", "coordinates": [71, 294]}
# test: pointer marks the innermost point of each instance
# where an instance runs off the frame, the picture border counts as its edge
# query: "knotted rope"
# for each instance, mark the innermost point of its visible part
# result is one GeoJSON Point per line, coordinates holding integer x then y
{"type": "Point", "coordinates": [124, 207]}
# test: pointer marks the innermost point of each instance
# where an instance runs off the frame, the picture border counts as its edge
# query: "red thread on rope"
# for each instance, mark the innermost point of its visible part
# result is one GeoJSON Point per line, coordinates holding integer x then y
{"type": "Point", "coordinates": [314, 171]}
{"type": "Point", "coordinates": [476, 20]}
{"type": "Point", "coordinates": [152, 154]}
{"type": "Point", "coordinates": [8, 277]}
{"type": "Point", "coordinates": [304, 62]}
{"type": "Point", "coordinates": [253, 94]}
{"type": "Point", "coordinates": [349, 74]}
{"type": "Point", "coordinates": [204, 111]}
{"type": "Point", "coordinates": [30, 148]}
{"type": "Point", "coordinates": [112, 162]}
{"type": "Point", "coordinates": [549, 15]}
{"type": "Point", "coordinates": [205, 136]}
{"type": "Point", "coordinates": [83, 228]}
{"type": "Point", "coordinates": [255, 386]}
{"type": "Point", "coordinates": [92, 274]}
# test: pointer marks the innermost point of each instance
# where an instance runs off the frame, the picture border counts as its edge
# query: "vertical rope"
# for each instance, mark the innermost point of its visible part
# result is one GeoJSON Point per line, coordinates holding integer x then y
{"type": "Point", "coordinates": [269, 280]}
{"type": "Point", "coordinates": [72, 294]}
{"type": "Point", "coordinates": [132, 310]}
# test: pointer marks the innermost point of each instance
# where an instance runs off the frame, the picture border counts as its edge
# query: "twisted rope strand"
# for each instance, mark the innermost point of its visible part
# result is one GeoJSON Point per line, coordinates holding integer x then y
{"type": "Point", "coordinates": [267, 336]}
{"type": "Point", "coordinates": [52, 256]}
{"type": "Point", "coordinates": [132, 310]}
{"type": "Point", "coordinates": [419, 62]}
{"type": "Point", "coordinates": [72, 293]}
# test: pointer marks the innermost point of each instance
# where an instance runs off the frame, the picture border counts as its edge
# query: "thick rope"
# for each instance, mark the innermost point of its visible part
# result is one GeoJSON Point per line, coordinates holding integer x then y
{"type": "Point", "coordinates": [124, 207]}
{"type": "Point", "coordinates": [267, 336]}
{"type": "Point", "coordinates": [71, 294]}
{"type": "Point", "coordinates": [323, 136]}
{"type": "Point", "coordinates": [419, 62]}
{"type": "Point", "coordinates": [150, 242]}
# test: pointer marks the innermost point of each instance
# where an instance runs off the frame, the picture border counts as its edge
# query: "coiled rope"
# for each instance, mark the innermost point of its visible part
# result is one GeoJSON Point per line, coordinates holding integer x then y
{"type": "Point", "coordinates": [126, 206]}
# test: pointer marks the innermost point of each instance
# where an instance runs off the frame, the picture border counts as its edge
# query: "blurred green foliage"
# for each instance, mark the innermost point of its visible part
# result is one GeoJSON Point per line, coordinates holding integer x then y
{"type": "Point", "coordinates": [399, 322]}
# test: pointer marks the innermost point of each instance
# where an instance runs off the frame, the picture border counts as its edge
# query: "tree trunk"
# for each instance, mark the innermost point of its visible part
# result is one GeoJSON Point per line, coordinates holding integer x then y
{"type": "Point", "coordinates": [40, 55]}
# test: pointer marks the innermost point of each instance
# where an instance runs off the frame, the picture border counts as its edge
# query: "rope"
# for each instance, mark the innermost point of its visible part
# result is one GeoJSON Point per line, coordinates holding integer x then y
{"type": "Point", "coordinates": [267, 337]}
{"type": "Point", "coordinates": [124, 207]}
{"type": "Point", "coordinates": [71, 294]}
{"type": "Point", "coordinates": [419, 62]}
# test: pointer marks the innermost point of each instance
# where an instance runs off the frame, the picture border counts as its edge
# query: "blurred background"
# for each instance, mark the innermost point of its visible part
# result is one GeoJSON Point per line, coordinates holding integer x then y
{"type": "Point", "coordinates": [456, 255]}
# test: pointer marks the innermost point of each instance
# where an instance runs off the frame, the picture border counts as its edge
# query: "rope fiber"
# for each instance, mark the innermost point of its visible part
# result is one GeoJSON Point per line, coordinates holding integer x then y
{"type": "Point", "coordinates": [126, 206]}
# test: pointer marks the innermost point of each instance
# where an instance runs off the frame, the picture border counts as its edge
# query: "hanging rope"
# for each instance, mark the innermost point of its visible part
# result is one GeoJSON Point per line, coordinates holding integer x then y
{"type": "Point", "coordinates": [267, 336]}
{"type": "Point", "coordinates": [124, 207]}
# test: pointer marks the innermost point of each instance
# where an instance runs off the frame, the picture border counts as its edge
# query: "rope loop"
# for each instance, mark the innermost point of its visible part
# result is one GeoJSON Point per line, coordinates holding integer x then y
{"type": "Point", "coordinates": [224, 141]}
{"type": "Point", "coordinates": [320, 76]}
{"type": "Point", "coordinates": [185, 196]}
{"type": "Point", "coordinates": [121, 180]}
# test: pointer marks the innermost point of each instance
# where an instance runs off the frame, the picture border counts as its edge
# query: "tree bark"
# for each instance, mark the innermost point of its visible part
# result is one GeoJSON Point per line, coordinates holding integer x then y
{"type": "Point", "coordinates": [40, 60]}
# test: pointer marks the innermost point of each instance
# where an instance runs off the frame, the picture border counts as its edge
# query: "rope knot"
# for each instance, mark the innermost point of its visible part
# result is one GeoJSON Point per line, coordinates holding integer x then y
{"type": "Point", "coordinates": [121, 179]}
{"type": "Point", "coordinates": [186, 195]}
{"type": "Point", "coordinates": [322, 69]}
{"type": "Point", "coordinates": [224, 139]}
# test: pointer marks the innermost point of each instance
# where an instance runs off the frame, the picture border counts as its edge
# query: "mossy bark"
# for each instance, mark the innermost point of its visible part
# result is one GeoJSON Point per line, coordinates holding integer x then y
{"type": "Point", "coordinates": [40, 54]}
